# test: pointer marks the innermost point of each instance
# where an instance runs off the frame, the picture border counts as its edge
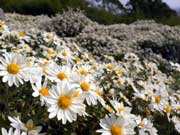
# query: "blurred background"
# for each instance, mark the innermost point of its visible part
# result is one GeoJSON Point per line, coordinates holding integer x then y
{"type": "Point", "coordinates": [102, 11]}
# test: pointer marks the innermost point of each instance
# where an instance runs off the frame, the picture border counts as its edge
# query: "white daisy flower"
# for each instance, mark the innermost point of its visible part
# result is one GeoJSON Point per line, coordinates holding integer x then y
{"type": "Point", "coordinates": [84, 70]}
{"type": "Point", "coordinates": [110, 66]}
{"type": "Point", "coordinates": [24, 48]}
{"type": "Point", "coordinates": [57, 73]}
{"type": "Point", "coordinates": [131, 57]}
{"type": "Point", "coordinates": [28, 127]}
{"type": "Point", "coordinates": [16, 123]}
{"type": "Point", "coordinates": [176, 122]}
{"type": "Point", "coordinates": [175, 66]}
{"type": "Point", "coordinates": [4, 30]}
{"type": "Point", "coordinates": [112, 125]}
{"type": "Point", "coordinates": [33, 74]}
{"type": "Point", "coordinates": [12, 68]}
{"type": "Point", "coordinates": [159, 99]}
{"type": "Point", "coordinates": [31, 129]}
{"type": "Point", "coordinates": [48, 36]}
{"type": "Point", "coordinates": [65, 54]}
{"type": "Point", "coordinates": [145, 126]}
{"type": "Point", "coordinates": [49, 52]}
{"type": "Point", "coordinates": [56, 40]}
{"type": "Point", "coordinates": [64, 103]}
{"type": "Point", "coordinates": [175, 103]}
{"type": "Point", "coordinates": [120, 108]}
{"type": "Point", "coordinates": [41, 90]}
{"type": "Point", "coordinates": [10, 132]}
{"type": "Point", "coordinates": [22, 35]}
{"type": "Point", "coordinates": [87, 89]}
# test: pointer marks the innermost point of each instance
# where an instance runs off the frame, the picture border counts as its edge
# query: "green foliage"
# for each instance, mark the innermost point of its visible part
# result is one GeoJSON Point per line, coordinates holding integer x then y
{"type": "Point", "coordinates": [36, 7]}
{"type": "Point", "coordinates": [151, 8]}
{"type": "Point", "coordinates": [175, 85]}
{"type": "Point", "coordinates": [101, 16]}
{"type": "Point", "coordinates": [146, 9]}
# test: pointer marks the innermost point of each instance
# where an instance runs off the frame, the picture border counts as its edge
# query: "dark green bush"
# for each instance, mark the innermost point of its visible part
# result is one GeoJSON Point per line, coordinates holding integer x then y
{"type": "Point", "coordinates": [36, 7]}
{"type": "Point", "coordinates": [51, 7]}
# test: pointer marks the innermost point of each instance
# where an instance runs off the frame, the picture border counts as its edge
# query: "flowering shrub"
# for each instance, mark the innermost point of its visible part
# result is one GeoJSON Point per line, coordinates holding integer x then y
{"type": "Point", "coordinates": [146, 36]}
{"type": "Point", "coordinates": [69, 24]}
{"type": "Point", "coordinates": [50, 86]}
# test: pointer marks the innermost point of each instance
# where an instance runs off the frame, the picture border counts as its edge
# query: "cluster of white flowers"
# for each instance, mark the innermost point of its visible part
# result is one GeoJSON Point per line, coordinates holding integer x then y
{"type": "Point", "coordinates": [106, 39]}
{"type": "Point", "coordinates": [146, 92]}
{"type": "Point", "coordinates": [64, 82]}
{"type": "Point", "coordinates": [68, 81]}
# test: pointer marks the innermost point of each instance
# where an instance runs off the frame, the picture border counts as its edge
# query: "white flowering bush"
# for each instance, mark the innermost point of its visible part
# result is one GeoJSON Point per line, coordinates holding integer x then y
{"type": "Point", "coordinates": [51, 86]}
{"type": "Point", "coordinates": [144, 36]}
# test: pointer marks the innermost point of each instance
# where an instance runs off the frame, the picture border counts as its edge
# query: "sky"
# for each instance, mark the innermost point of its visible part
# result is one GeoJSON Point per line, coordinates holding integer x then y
{"type": "Point", "coordinates": [175, 4]}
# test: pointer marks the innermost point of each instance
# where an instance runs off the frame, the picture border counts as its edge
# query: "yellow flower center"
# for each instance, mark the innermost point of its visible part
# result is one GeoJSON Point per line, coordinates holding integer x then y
{"type": "Point", "coordinates": [13, 68]}
{"type": "Point", "coordinates": [1, 23]}
{"type": "Point", "coordinates": [75, 94]}
{"type": "Point", "coordinates": [121, 109]}
{"type": "Point", "coordinates": [22, 34]}
{"type": "Point", "coordinates": [44, 91]}
{"type": "Point", "coordinates": [85, 86]}
{"type": "Point", "coordinates": [119, 72]}
{"type": "Point", "coordinates": [49, 36]}
{"type": "Point", "coordinates": [46, 63]}
{"type": "Point", "coordinates": [142, 124]}
{"type": "Point", "coordinates": [62, 76]}
{"type": "Point", "coordinates": [30, 127]}
{"type": "Point", "coordinates": [116, 130]}
{"type": "Point", "coordinates": [178, 108]}
{"type": "Point", "coordinates": [99, 92]}
{"type": "Point", "coordinates": [25, 46]}
{"type": "Point", "coordinates": [158, 99]}
{"type": "Point", "coordinates": [109, 108]}
{"type": "Point", "coordinates": [56, 40]}
{"type": "Point", "coordinates": [77, 59]}
{"type": "Point", "coordinates": [110, 67]}
{"type": "Point", "coordinates": [84, 72]}
{"type": "Point", "coordinates": [50, 52]}
{"type": "Point", "coordinates": [64, 53]}
{"type": "Point", "coordinates": [1, 31]}
{"type": "Point", "coordinates": [64, 102]}
{"type": "Point", "coordinates": [168, 108]}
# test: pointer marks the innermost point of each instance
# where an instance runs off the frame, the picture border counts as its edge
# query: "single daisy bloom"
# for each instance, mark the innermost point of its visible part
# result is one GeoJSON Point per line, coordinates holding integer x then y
{"type": "Point", "coordinates": [49, 52]}
{"type": "Point", "coordinates": [176, 121]}
{"type": "Point", "coordinates": [22, 35]}
{"type": "Point", "coordinates": [159, 99]}
{"type": "Point", "coordinates": [65, 54]}
{"type": "Point", "coordinates": [88, 89]}
{"type": "Point", "coordinates": [145, 126]}
{"type": "Point", "coordinates": [13, 68]}
{"type": "Point", "coordinates": [2, 23]}
{"type": "Point", "coordinates": [56, 40]}
{"type": "Point", "coordinates": [110, 66]}
{"type": "Point", "coordinates": [28, 127]}
{"type": "Point", "coordinates": [58, 73]}
{"type": "Point", "coordinates": [3, 28]}
{"type": "Point", "coordinates": [41, 90]}
{"type": "Point", "coordinates": [48, 36]}
{"type": "Point", "coordinates": [64, 103]}
{"type": "Point", "coordinates": [31, 129]}
{"type": "Point", "coordinates": [33, 73]}
{"type": "Point", "coordinates": [120, 108]}
{"type": "Point", "coordinates": [24, 48]}
{"type": "Point", "coordinates": [10, 132]}
{"type": "Point", "coordinates": [84, 70]}
{"type": "Point", "coordinates": [112, 125]}
{"type": "Point", "coordinates": [175, 103]}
